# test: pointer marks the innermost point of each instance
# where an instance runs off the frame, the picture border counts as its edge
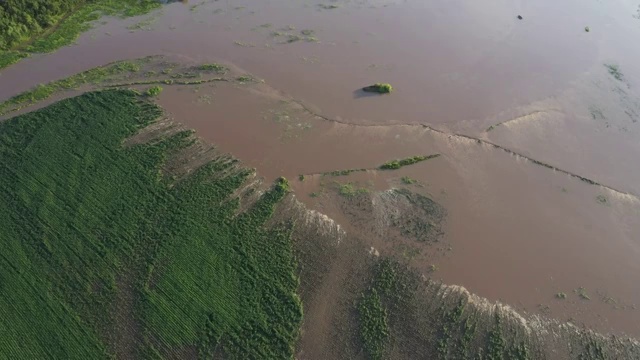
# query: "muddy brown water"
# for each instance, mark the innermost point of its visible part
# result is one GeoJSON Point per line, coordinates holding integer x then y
{"type": "Point", "coordinates": [517, 232]}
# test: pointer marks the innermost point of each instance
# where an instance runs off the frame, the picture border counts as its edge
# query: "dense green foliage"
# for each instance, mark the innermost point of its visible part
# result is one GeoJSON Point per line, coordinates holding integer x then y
{"type": "Point", "coordinates": [46, 25]}
{"type": "Point", "coordinates": [154, 91]}
{"type": "Point", "coordinates": [79, 212]}
{"type": "Point", "coordinates": [386, 297]}
{"type": "Point", "coordinates": [10, 57]}
{"type": "Point", "coordinates": [20, 19]}
{"type": "Point", "coordinates": [380, 88]}
{"type": "Point", "coordinates": [374, 328]}
{"type": "Point", "coordinates": [397, 164]}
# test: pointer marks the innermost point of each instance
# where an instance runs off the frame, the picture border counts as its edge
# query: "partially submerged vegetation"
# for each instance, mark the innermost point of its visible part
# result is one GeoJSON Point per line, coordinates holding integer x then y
{"type": "Point", "coordinates": [217, 68]}
{"type": "Point", "coordinates": [154, 91]}
{"type": "Point", "coordinates": [408, 181]}
{"type": "Point", "coordinates": [374, 328]}
{"type": "Point", "coordinates": [351, 189]}
{"type": "Point", "coordinates": [614, 70]}
{"type": "Point", "coordinates": [380, 88]}
{"type": "Point", "coordinates": [93, 76]}
{"type": "Point", "coordinates": [397, 164]}
{"type": "Point", "coordinates": [80, 213]}
{"type": "Point", "coordinates": [286, 36]}
{"type": "Point", "coordinates": [152, 70]}
{"type": "Point", "coordinates": [387, 295]}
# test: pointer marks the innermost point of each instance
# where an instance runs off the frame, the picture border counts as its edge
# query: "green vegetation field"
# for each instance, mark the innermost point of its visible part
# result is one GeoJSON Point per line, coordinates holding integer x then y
{"type": "Point", "coordinates": [92, 229]}
{"type": "Point", "coordinates": [31, 26]}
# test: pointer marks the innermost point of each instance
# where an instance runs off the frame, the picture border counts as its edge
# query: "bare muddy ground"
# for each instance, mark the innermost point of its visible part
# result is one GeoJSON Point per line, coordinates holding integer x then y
{"type": "Point", "coordinates": [474, 84]}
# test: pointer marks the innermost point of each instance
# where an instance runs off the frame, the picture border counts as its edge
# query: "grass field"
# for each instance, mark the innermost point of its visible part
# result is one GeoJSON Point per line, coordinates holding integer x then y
{"type": "Point", "coordinates": [80, 212]}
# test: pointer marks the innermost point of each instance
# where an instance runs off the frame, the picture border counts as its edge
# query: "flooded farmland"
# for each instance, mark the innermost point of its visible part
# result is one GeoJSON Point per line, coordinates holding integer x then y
{"type": "Point", "coordinates": [534, 121]}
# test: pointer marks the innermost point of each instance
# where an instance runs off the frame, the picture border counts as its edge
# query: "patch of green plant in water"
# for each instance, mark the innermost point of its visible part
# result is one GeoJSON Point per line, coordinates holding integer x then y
{"type": "Point", "coordinates": [243, 44]}
{"type": "Point", "coordinates": [153, 91]}
{"type": "Point", "coordinates": [383, 304]}
{"type": "Point", "coordinates": [195, 7]}
{"type": "Point", "coordinates": [397, 164]}
{"type": "Point", "coordinates": [582, 293]}
{"type": "Point", "coordinates": [291, 38]}
{"type": "Point", "coordinates": [374, 328]}
{"type": "Point", "coordinates": [596, 113]}
{"type": "Point", "coordinates": [561, 296]}
{"type": "Point", "coordinates": [450, 322]}
{"type": "Point", "coordinates": [217, 68]}
{"type": "Point", "coordinates": [78, 210]}
{"type": "Point", "coordinates": [144, 24]}
{"type": "Point", "coordinates": [328, 6]}
{"type": "Point", "coordinates": [243, 79]}
{"type": "Point", "coordinates": [602, 199]}
{"type": "Point", "coordinates": [614, 70]}
{"type": "Point", "coordinates": [593, 350]}
{"type": "Point", "coordinates": [408, 181]}
{"type": "Point", "coordinates": [424, 223]}
{"type": "Point", "coordinates": [350, 190]}
{"type": "Point", "coordinates": [519, 352]}
{"type": "Point", "coordinates": [342, 172]}
{"type": "Point", "coordinates": [11, 57]}
{"type": "Point", "coordinates": [497, 344]}
{"type": "Point", "coordinates": [380, 88]}
{"type": "Point", "coordinates": [470, 327]}
{"type": "Point", "coordinates": [93, 76]}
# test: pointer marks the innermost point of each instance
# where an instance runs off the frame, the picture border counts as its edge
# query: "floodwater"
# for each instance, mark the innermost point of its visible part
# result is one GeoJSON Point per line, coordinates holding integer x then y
{"type": "Point", "coordinates": [518, 232]}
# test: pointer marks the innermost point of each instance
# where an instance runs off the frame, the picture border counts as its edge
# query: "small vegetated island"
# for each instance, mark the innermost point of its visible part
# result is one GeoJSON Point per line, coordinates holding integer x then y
{"type": "Point", "coordinates": [380, 88]}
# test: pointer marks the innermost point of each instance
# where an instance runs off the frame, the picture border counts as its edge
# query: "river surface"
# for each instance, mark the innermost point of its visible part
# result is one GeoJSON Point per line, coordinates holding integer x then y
{"type": "Point", "coordinates": [488, 91]}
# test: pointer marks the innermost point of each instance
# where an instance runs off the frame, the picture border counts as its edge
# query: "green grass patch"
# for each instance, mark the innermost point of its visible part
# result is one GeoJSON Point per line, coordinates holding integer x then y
{"type": "Point", "coordinates": [342, 172]}
{"type": "Point", "coordinates": [11, 57]}
{"type": "Point", "coordinates": [397, 164]}
{"type": "Point", "coordinates": [216, 68]}
{"type": "Point", "coordinates": [384, 306]}
{"type": "Point", "coordinates": [350, 190]}
{"type": "Point", "coordinates": [78, 210]}
{"type": "Point", "coordinates": [380, 88]}
{"type": "Point", "coordinates": [328, 6]}
{"type": "Point", "coordinates": [93, 76]}
{"type": "Point", "coordinates": [408, 181]}
{"type": "Point", "coordinates": [153, 91]}
{"type": "Point", "coordinates": [582, 293]}
{"type": "Point", "coordinates": [374, 328]}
